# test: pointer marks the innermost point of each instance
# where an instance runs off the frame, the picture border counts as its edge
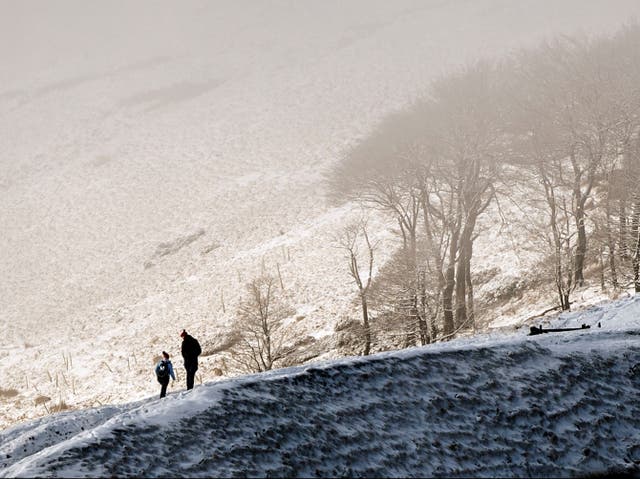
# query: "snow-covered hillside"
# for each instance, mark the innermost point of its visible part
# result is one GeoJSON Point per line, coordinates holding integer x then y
{"type": "Point", "coordinates": [155, 156]}
{"type": "Point", "coordinates": [555, 405]}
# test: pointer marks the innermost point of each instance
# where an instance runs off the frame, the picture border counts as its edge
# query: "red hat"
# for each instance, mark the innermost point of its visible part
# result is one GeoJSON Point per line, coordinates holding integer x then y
{"type": "Point", "coordinates": [183, 333]}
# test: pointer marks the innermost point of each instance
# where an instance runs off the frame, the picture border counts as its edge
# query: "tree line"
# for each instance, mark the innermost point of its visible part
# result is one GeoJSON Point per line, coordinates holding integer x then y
{"type": "Point", "coordinates": [553, 131]}
{"type": "Point", "coordinates": [560, 121]}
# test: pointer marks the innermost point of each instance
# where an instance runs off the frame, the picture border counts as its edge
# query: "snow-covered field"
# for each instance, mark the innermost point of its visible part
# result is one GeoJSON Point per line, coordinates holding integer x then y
{"type": "Point", "coordinates": [499, 405]}
{"type": "Point", "coordinates": [155, 156]}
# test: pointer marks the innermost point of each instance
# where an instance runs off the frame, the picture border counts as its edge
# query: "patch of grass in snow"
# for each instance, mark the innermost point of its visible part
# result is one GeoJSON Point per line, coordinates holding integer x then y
{"type": "Point", "coordinates": [8, 393]}
{"type": "Point", "coordinates": [61, 406]}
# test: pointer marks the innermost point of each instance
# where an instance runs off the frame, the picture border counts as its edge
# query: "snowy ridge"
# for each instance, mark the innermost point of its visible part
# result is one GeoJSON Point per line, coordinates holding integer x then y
{"type": "Point", "coordinates": [500, 405]}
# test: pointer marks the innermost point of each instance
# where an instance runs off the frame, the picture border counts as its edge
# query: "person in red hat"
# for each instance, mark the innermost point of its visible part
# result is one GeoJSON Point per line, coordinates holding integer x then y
{"type": "Point", "coordinates": [190, 351]}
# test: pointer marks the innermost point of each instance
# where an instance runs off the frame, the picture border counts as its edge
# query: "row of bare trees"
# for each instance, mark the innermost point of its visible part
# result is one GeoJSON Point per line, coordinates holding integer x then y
{"type": "Point", "coordinates": [574, 123]}
{"type": "Point", "coordinates": [561, 119]}
{"type": "Point", "coordinates": [434, 169]}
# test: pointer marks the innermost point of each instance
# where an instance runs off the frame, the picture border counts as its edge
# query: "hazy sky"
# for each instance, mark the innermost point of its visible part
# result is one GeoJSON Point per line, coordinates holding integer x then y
{"type": "Point", "coordinates": [39, 36]}
{"type": "Point", "coordinates": [125, 124]}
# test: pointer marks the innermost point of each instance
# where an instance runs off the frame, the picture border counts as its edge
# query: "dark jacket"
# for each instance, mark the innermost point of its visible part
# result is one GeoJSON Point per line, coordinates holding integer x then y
{"type": "Point", "coordinates": [190, 351]}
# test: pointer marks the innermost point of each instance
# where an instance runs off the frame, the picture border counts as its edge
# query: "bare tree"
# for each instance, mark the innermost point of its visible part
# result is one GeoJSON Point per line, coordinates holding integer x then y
{"type": "Point", "coordinates": [434, 164]}
{"type": "Point", "coordinates": [542, 150]}
{"type": "Point", "coordinates": [466, 141]}
{"type": "Point", "coordinates": [384, 173]}
{"type": "Point", "coordinates": [586, 89]}
{"type": "Point", "coordinates": [263, 340]}
{"type": "Point", "coordinates": [561, 238]}
{"type": "Point", "coordinates": [624, 57]}
{"type": "Point", "coordinates": [350, 241]}
{"type": "Point", "coordinates": [629, 216]}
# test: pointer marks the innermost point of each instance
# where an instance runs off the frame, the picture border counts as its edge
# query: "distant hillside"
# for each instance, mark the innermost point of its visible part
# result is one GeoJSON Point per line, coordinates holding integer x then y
{"type": "Point", "coordinates": [155, 157]}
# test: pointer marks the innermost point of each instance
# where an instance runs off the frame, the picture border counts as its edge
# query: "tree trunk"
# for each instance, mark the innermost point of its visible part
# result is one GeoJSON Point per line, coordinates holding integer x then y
{"type": "Point", "coordinates": [556, 244]}
{"type": "Point", "coordinates": [365, 321]}
{"type": "Point", "coordinates": [635, 233]}
{"type": "Point", "coordinates": [558, 269]}
{"type": "Point", "coordinates": [611, 245]}
{"type": "Point", "coordinates": [470, 308]}
{"type": "Point", "coordinates": [464, 289]}
{"type": "Point", "coordinates": [433, 320]}
{"type": "Point", "coordinates": [437, 257]}
{"type": "Point", "coordinates": [636, 272]}
{"type": "Point", "coordinates": [566, 306]}
{"type": "Point", "coordinates": [461, 285]}
{"type": "Point", "coordinates": [450, 282]}
{"type": "Point", "coordinates": [580, 197]}
{"type": "Point", "coordinates": [416, 287]}
{"type": "Point", "coordinates": [581, 246]}
{"type": "Point", "coordinates": [612, 265]}
{"type": "Point", "coordinates": [267, 346]}
{"type": "Point", "coordinates": [603, 286]}
{"type": "Point", "coordinates": [421, 310]}
{"type": "Point", "coordinates": [623, 239]}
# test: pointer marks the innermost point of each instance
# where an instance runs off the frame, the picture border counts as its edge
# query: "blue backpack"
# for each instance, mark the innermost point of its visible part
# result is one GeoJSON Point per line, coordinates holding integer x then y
{"type": "Point", "coordinates": [162, 370]}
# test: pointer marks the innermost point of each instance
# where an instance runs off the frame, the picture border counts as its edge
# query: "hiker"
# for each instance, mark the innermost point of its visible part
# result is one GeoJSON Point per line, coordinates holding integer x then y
{"type": "Point", "coordinates": [190, 352]}
{"type": "Point", "coordinates": [164, 371]}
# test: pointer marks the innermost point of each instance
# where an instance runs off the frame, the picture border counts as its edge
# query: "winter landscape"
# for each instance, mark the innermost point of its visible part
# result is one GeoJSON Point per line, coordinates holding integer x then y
{"type": "Point", "coordinates": [358, 208]}
{"type": "Point", "coordinates": [497, 406]}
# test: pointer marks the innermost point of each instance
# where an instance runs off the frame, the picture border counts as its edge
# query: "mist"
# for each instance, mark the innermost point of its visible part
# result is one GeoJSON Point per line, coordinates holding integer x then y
{"type": "Point", "coordinates": [158, 156]}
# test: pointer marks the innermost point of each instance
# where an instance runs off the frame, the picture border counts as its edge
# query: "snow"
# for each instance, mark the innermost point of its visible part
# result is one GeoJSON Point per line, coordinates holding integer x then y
{"type": "Point", "coordinates": [491, 406]}
{"type": "Point", "coordinates": [124, 127]}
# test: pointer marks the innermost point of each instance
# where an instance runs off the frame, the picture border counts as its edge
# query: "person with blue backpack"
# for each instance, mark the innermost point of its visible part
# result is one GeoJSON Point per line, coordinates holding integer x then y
{"type": "Point", "coordinates": [164, 371]}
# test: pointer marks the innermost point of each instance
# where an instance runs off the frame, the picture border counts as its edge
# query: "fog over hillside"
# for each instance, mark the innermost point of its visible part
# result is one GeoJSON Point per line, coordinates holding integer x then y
{"type": "Point", "coordinates": [155, 156]}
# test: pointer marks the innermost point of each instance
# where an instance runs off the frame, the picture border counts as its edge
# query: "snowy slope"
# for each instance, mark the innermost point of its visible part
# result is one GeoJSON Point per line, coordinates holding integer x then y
{"type": "Point", "coordinates": [153, 156]}
{"type": "Point", "coordinates": [502, 405]}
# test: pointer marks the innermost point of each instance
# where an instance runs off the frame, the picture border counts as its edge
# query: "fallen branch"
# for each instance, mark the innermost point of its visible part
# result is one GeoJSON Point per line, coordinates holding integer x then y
{"type": "Point", "coordinates": [534, 330]}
